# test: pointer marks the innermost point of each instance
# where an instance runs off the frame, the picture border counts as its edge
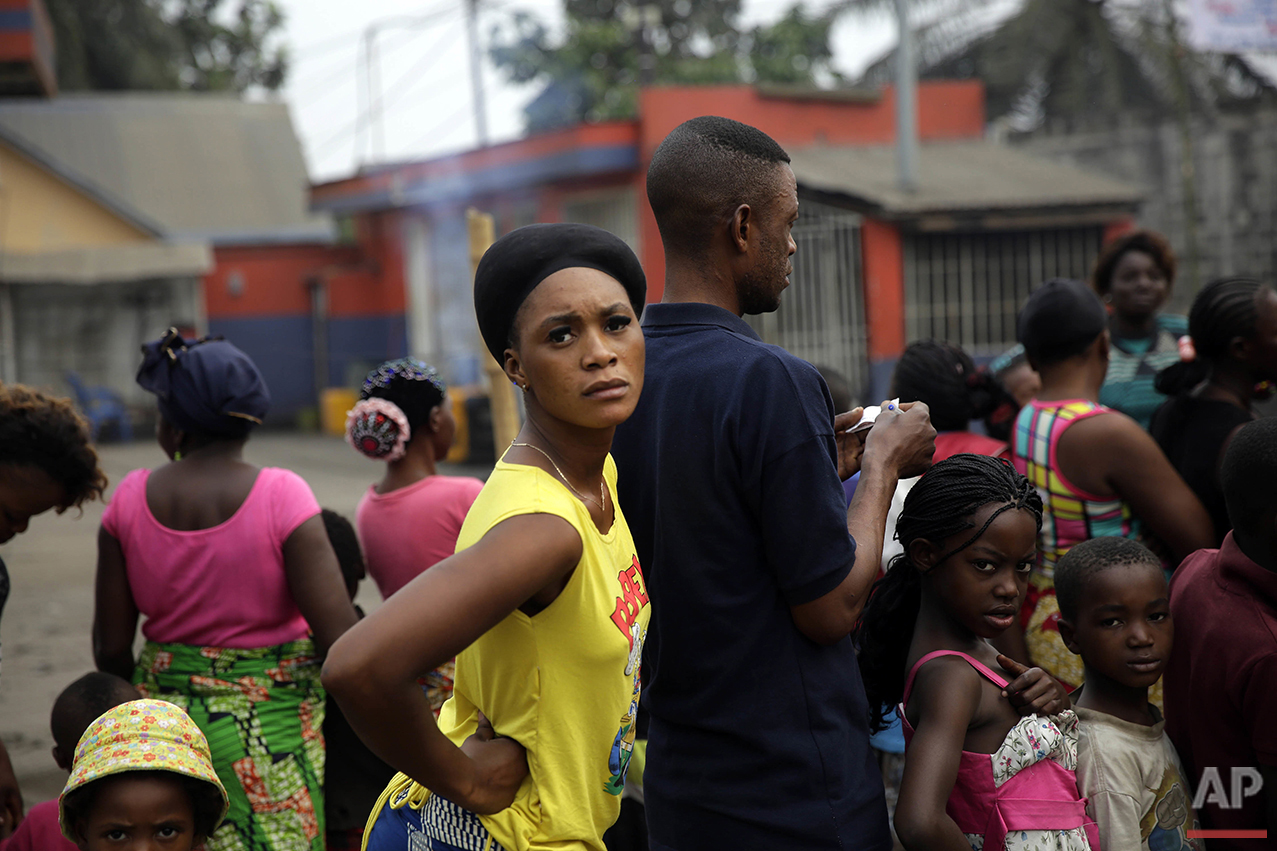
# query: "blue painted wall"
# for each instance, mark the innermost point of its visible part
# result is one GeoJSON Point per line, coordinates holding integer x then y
{"type": "Point", "coordinates": [283, 349]}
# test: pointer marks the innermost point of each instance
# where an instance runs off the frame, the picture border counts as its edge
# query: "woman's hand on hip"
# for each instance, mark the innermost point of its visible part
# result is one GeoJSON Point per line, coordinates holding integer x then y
{"type": "Point", "coordinates": [500, 766]}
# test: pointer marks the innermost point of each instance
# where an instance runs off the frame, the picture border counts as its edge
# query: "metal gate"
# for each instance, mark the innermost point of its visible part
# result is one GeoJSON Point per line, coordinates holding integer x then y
{"type": "Point", "coordinates": [822, 314]}
{"type": "Point", "coordinates": [968, 287]}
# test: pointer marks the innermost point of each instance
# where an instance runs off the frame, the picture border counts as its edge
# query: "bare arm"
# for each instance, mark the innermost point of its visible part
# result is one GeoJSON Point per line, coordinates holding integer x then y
{"type": "Point", "coordinates": [1142, 476]}
{"type": "Point", "coordinates": [314, 580]}
{"type": "Point", "coordinates": [372, 670]}
{"type": "Point", "coordinates": [10, 796]}
{"type": "Point", "coordinates": [114, 612]}
{"type": "Point", "coordinates": [947, 696]}
{"type": "Point", "coordinates": [900, 444]}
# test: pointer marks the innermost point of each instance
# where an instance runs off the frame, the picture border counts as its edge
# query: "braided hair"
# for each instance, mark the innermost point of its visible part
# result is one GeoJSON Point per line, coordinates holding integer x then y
{"type": "Point", "coordinates": [939, 507]}
{"type": "Point", "coordinates": [944, 376]}
{"type": "Point", "coordinates": [1224, 310]}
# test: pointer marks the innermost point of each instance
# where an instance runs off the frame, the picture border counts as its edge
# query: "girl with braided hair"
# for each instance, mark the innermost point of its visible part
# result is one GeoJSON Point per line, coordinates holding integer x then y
{"type": "Point", "coordinates": [1227, 362]}
{"type": "Point", "coordinates": [992, 744]}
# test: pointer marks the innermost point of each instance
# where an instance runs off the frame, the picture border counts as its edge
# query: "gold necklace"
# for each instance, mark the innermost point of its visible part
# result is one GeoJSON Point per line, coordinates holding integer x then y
{"type": "Point", "coordinates": [602, 492]}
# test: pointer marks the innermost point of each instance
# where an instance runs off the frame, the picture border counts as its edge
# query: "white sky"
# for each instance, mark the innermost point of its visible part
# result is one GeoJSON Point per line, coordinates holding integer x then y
{"type": "Point", "coordinates": [425, 75]}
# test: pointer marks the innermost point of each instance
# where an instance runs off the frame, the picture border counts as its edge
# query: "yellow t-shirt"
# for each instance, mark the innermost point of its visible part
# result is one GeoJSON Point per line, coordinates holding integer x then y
{"type": "Point", "coordinates": [564, 683]}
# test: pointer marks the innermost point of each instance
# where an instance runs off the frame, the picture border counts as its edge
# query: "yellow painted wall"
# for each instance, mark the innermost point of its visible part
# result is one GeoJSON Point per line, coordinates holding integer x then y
{"type": "Point", "coordinates": [40, 212]}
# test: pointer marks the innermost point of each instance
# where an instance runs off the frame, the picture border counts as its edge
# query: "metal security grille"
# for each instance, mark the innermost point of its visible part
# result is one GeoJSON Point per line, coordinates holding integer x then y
{"type": "Point", "coordinates": [610, 209]}
{"type": "Point", "coordinates": [822, 314]}
{"type": "Point", "coordinates": [968, 287]}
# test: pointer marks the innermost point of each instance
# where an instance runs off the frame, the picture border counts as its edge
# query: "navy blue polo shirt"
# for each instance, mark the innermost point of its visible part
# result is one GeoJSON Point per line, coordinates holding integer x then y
{"type": "Point", "coordinates": [727, 476]}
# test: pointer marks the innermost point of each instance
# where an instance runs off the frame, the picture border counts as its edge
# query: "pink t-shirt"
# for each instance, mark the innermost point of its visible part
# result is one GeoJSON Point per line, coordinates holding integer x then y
{"type": "Point", "coordinates": [408, 530]}
{"type": "Point", "coordinates": [39, 831]}
{"type": "Point", "coordinates": [218, 587]}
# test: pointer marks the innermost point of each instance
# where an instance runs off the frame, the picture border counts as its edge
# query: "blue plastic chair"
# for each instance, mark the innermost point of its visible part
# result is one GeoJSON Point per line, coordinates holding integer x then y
{"type": "Point", "coordinates": [101, 405]}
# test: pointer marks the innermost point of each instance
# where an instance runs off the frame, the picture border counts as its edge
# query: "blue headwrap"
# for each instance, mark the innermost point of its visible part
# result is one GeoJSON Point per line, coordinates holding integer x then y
{"type": "Point", "coordinates": [204, 385]}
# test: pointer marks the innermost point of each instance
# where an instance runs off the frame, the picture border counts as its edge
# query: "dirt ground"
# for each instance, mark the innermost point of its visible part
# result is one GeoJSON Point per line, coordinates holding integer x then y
{"type": "Point", "coordinates": [44, 630]}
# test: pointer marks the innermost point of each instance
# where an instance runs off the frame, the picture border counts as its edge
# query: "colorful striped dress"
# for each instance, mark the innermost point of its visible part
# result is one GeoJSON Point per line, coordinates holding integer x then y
{"type": "Point", "coordinates": [1070, 515]}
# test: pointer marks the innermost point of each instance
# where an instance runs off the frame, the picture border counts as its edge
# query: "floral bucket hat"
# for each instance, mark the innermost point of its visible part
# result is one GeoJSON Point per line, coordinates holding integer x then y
{"type": "Point", "coordinates": [141, 735]}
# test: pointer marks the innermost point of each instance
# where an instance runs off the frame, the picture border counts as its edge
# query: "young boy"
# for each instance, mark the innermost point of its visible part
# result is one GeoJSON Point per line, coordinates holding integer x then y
{"type": "Point", "coordinates": [75, 709]}
{"type": "Point", "coordinates": [353, 777]}
{"type": "Point", "coordinates": [1115, 614]}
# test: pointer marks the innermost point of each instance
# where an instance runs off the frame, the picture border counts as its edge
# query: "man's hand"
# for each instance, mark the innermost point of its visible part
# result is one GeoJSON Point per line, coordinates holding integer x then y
{"type": "Point", "coordinates": [1033, 691]}
{"type": "Point", "coordinates": [500, 765]}
{"type": "Point", "coordinates": [10, 797]}
{"type": "Point", "coordinates": [850, 446]}
{"type": "Point", "coordinates": [902, 438]}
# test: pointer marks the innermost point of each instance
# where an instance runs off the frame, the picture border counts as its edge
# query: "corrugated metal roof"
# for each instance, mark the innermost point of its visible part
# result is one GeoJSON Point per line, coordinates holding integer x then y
{"type": "Point", "coordinates": [956, 177]}
{"type": "Point", "coordinates": [203, 166]}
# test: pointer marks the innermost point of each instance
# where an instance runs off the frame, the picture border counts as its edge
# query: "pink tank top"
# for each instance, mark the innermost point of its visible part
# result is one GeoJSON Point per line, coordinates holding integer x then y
{"type": "Point", "coordinates": [1040, 796]}
{"type": "Point", "coordinates": [218, 587]}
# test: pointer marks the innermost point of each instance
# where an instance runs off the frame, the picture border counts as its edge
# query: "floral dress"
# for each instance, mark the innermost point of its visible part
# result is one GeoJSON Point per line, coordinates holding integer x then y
{"type": "Point", "coordinates": [1024, 796]}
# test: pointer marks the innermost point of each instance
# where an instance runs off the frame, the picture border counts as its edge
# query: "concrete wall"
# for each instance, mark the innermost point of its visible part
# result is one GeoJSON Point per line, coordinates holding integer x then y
{"type": "Point", "coordinates": [1235, 176]}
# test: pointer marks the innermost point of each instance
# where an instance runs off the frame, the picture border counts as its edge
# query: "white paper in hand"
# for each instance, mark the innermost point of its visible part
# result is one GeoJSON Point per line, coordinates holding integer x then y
{"type": "Point", "coordinates": [871, 413]}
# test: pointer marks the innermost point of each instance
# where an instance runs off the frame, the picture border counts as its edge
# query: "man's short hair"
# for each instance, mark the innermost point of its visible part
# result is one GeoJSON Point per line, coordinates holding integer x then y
{"type": "Point", "coordinates": [702, 172]}
{"type": "Point", "coordinates": [1247, 473]}
{"type": "Point", "coordinates": [1091, 558]}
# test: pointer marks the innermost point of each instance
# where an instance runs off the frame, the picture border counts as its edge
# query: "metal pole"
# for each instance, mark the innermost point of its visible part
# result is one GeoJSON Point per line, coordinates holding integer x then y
{"type": "Point", "coordinates": [476, 72]}
{"type": "Point", "coordinates": [906, 103]}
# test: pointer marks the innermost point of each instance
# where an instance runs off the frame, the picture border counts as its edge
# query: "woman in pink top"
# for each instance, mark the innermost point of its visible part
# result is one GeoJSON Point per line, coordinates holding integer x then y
{"type": "Point", "coordinates": [409, 521]}
{"type": "Point", "coordinates": [241, 591]}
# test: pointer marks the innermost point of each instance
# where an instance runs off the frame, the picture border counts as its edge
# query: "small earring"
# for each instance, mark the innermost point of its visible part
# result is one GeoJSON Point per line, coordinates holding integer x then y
{"type": "Point", "coordinates": [177, 455]}
{"type": "Point", "coordinates": [527, 387]}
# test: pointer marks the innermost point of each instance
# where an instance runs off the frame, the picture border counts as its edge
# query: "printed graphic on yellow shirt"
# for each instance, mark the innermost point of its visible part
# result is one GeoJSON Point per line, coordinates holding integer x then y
{"type": "Point", "coordinates": [628, 606]}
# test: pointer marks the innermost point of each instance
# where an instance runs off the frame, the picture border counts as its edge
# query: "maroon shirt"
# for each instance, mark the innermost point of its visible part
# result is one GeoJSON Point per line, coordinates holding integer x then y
{"type": "Point", "coordinates": [39, 831]}
{"type": "Point", "coordinates": [1221, 684]}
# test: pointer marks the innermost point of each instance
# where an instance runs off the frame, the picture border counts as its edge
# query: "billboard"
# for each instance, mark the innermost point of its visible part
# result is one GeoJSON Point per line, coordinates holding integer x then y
{"type": "Point", "coordinates": [1232, 26]}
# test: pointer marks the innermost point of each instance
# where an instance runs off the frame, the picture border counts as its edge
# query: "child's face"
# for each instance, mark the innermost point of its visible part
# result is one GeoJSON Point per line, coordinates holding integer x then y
{"type": "Point", "coordinates": [140, 813]}
{"type": "Point", "coordinates": [982, 585]}
{"type": "Point", "coordinates": [1123, 630]}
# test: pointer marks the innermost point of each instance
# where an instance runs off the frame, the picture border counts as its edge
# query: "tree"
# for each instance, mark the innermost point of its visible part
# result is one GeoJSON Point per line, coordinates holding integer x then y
{"type": "Point", "coordinates": [594, 71]}
{"type": "Point", "coordinates": [168, 44]}
{"type": "Point", "coordinates": [1071, 61]}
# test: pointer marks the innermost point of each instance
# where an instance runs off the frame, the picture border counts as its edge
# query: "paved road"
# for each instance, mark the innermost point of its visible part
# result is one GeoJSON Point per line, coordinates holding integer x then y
{"type": "Point", "coordinates": [45, 626]}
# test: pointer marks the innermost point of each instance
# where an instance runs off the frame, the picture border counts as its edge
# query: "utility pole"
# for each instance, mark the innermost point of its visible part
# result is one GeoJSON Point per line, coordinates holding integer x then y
{"type": "Point", "coordinates": [906, 103]}
{"type": "Point", "coordinates": [476, 72]}
{"type": "Point", "coordinates": [372, 85]}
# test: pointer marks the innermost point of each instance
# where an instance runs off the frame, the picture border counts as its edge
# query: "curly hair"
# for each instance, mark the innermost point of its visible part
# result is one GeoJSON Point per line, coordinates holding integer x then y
{"type": "Point", "coordinates": [49, 434]}
{"type": "Point", "coordinates": [1145, 241]}
{"type": "Point", "coordinates": [939, 507]}
{"type": "Point", "coordinates": [944, 376]}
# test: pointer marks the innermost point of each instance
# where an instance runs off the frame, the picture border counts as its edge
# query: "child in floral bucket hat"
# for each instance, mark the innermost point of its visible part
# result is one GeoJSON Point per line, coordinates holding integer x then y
{"type": "Point", "coordinates": [142, 778]}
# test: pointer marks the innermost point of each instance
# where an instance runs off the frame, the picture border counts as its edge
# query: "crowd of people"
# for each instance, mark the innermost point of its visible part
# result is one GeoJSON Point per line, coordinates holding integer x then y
{"type": "Point", "coordinates": [1033, 606]}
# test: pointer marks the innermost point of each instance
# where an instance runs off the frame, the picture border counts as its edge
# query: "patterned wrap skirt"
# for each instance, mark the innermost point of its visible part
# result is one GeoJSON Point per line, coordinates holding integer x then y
{"type": "Point", "coordinates": [263, 712]}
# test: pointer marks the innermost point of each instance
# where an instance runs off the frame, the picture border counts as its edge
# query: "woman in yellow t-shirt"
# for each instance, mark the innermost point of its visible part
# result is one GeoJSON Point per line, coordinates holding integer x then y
{"type": "Point", "coordinates": [544, 604]}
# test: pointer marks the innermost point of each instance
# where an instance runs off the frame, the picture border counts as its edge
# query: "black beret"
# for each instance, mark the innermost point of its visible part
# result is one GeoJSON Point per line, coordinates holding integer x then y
{"type": "Point", "coordinates": [513, 266]}
{"type": "Point", "coordinates": [1060, 315]}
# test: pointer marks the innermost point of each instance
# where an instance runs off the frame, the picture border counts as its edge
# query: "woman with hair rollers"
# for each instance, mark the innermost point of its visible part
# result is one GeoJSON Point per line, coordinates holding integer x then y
{"type": "Point", "coordinates": [410, 520]}
{"type": "Point", "coordinates": [1228, 361]}
{"type": "Point", "coordinates": [992, 744]}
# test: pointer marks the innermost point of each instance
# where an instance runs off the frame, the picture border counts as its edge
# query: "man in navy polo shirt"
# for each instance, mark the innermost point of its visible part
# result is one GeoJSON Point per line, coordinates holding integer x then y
{"type": "Point", "coordinates": [729, 474]}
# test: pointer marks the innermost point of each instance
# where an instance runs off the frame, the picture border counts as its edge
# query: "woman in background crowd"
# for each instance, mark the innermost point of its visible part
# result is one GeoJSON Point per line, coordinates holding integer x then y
{"type": "Point", "coordinates": [1134, 276]}
{"type": "Point", "coordinates": [1230, 362]}
{"type": "Point", "coordinates": [46, 461]}
{"type": "Point", "coordinates": [411, 518]}
{"type": "Point", "coordinates": [241, 590]}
